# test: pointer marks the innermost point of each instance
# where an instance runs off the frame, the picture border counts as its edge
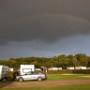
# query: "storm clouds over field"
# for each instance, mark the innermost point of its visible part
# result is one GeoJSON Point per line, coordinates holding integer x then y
{"type": "Point", "coordinates": [44, 27]}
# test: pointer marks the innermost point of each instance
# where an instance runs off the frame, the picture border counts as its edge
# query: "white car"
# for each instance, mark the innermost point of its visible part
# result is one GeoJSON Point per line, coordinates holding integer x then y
{"type": "Point", "coordinates": [31, 76]}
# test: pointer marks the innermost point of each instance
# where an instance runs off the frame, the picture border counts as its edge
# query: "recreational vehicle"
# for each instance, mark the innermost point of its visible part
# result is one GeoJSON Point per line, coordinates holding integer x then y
{"type": "Point", "coordinates": [3, 72]}
{"type": "Point", "coordinates": [26, 68]}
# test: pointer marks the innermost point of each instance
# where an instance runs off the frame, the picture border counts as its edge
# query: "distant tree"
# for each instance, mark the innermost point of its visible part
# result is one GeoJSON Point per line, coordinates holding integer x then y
{"type": "Point", "coordinates": [82, 59]}
{"type": "Point", "coordinates": [63, 61]}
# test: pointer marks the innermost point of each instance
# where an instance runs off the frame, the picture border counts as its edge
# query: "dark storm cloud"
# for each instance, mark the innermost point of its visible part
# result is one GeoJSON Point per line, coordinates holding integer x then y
{"type": "Point", "coordinates": [46, 20]}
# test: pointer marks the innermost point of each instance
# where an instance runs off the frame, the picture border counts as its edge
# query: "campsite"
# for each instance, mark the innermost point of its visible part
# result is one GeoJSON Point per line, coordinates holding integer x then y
{"type": "Point", "coordinates": [44, 44]}
{"type": "Point", "coordinates": [59, 75]}
{"type": "Point", "coordinates": [54, 82]}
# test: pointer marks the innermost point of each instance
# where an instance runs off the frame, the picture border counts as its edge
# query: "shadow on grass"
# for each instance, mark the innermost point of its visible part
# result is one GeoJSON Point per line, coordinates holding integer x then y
{"type": "Point", "coordinates": [5, 83]}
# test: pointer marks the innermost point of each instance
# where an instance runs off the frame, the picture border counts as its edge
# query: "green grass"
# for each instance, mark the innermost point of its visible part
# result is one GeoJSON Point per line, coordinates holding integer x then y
{"type": "Point", "coordinates": [57, 76]}
{"type": "Point", "coordinates": [67, 76]}
{"type": "Point", "coordinates": [72, 87]}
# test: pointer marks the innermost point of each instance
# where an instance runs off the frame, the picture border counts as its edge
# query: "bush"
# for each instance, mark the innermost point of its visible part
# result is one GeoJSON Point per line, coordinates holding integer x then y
{"type": "Point", "coordinates": [60, 71]}
{"type": "Point", "coordinates": [10, 76]}
{"type": "Point", "coordinates": [81, 71]}
{"type": "Point", "coordinates": [71, 71]}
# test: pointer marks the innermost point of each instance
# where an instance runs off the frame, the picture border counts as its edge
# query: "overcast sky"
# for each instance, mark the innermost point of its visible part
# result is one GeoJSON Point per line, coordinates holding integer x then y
{"type": "Point", "coordinates": [44, 27]}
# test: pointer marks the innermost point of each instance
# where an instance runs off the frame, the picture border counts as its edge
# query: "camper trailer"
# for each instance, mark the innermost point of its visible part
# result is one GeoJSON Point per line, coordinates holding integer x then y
{"type": "Point", "coordinates": [3, 72]}
{"type": "Point", "coordinates": [24, 69]}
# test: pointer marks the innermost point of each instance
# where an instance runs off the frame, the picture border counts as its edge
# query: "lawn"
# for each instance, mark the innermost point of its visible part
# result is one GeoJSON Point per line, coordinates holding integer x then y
{"type": "Point", "coordinates": [53, 78]}
{"type": "Point", "coordinates": [68, 76]}
{"type": "Point", "coordinates": [72, 87]}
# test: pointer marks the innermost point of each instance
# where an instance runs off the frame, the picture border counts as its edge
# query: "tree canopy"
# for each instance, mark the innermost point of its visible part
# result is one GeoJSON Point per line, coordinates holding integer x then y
{"type": "Point", "coordinates": [63, 61]}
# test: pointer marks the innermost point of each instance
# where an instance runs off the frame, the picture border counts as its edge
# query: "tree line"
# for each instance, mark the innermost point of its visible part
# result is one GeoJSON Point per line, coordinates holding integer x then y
{"type": "Point", "coordinates": [63, 61]}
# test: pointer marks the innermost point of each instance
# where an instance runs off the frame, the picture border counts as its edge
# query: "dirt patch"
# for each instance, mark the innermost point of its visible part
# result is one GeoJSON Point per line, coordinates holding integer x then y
{"type": "Point", "coordinates": [86, 76]}
{"type": "Point", "coordinates": [68, 74]}
{"type": "Point", "coordinates": [44, 83]}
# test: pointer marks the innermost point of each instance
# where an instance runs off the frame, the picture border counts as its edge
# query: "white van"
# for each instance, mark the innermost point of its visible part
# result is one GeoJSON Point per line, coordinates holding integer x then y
{"type": "Point", "coordinates": [3, 71]}
{"type": "Point", "coordinates": [25, 68]}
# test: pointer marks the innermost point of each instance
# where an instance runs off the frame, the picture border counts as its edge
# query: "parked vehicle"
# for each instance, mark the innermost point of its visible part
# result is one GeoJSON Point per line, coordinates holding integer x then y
{"type": "Point", "coordinates": [31, 76]}
{"type": "Point", "coordinates": [25, 68]}
{"type": "Point", "coordinates": [3, 72]}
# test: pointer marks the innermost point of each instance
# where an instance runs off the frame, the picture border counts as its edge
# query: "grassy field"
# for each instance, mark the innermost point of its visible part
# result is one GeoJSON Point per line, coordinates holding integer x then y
{"type": "Point", "coordinates": [72, 87]}
{"type": "Point", "coordinates": [52, 78]}
{"type": "Point", "coordinates": [68, 76]}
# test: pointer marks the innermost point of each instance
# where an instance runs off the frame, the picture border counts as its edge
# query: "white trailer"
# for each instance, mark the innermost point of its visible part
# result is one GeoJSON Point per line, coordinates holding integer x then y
{"type": "Point", "coordinates": [24, 69]}
{"type": "Point", "coordinates": [3, 71]}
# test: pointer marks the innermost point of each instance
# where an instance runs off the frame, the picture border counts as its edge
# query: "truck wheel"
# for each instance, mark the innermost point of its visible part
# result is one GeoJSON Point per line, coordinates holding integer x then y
{"type": "Point", "coordinates": [20, 79]}
{"type": "Point", "coordinates": [4, 79]}
{"type": "Point", "coordinates": [39, 79]}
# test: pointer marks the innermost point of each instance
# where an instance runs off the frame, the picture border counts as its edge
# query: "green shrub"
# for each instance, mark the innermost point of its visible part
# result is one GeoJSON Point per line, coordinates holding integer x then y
{"type": "Point", "coordinates": [60, 71]}
{"type": "Point", "coordinates": [10, 76]}
{"type": "Point", "coordinates": [81, 71]}
{"type": "Point", "coordinates": [71, 71]}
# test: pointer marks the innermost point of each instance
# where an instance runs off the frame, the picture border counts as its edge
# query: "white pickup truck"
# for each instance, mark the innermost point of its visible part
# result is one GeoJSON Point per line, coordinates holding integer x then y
{"type": "Point", "coordinates": [31, 76]}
